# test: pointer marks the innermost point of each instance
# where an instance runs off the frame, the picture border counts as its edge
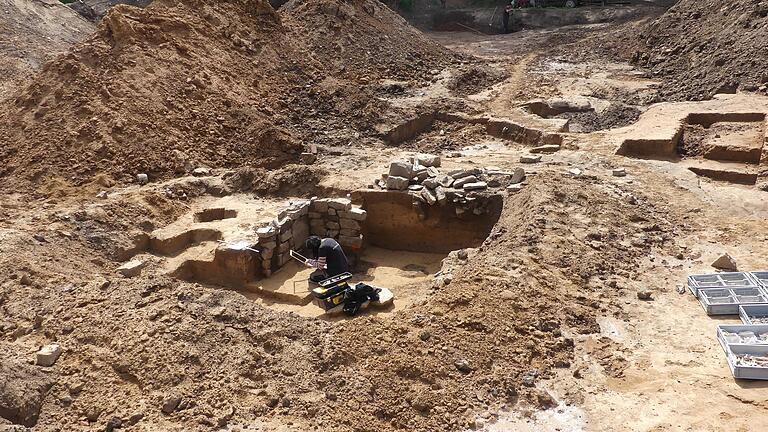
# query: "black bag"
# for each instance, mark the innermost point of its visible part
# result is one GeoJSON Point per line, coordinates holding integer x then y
{"type": "Point", "coordinates": [356, 296]}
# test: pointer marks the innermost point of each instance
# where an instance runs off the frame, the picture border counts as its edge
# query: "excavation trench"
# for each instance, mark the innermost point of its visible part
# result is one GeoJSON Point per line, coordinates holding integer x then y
{"type": "Point", "coordinates": [726, 147]}
{"type": "Point", "coordinates": [391, 239]}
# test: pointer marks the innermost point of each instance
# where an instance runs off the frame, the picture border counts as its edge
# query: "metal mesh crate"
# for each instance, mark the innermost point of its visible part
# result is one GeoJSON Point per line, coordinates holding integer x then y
{"type": "Point", "coordinates": [760, 277]}
{"type": "Point", "coordinates": [748, 361]}
{"type": "Point", "coordinates": [720, 280]}
{"type": "Point", "coordinates": [735, 334]}
{"type": "Point", "coordinates": [754, 314]}
{"type": "Point", "coordinates": [726, 301]}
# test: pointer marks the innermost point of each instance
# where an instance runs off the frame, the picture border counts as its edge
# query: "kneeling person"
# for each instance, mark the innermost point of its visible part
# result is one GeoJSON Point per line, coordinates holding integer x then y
{"type": "Point", "coordinates": [329, 258]}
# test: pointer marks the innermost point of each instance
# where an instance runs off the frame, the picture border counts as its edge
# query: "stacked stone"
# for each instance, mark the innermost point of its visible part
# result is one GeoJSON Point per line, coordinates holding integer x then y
{"type": "Point", "coordinates": [336, 218]}
{"type": "Point", "coordinates": [288, 231]}
{"type": "Point", "coordinates": [422, 179]}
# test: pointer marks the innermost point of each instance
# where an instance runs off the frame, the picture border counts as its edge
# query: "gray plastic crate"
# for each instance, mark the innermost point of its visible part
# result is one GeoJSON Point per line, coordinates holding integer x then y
{"type": "Point", "coordinates": [739, 329]}
{"type": "Point", "coordinates": [760, 277]}
{"type": "Point", "coordinates": [749, 313]}
{"type": "Point", "coordinates": [726, 301]}
{"type": "Point", "coordinates": [734, 351]}
{"type": "Point", "coordinates": [720, 280]}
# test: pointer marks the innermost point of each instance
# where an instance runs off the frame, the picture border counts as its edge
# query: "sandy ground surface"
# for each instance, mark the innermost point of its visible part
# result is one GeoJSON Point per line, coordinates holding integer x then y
{"type": "Point", "coordinates": [572, 249]}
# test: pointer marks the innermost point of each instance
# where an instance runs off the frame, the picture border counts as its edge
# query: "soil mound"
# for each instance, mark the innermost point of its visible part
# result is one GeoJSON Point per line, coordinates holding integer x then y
{"type": "Point", "coordinates": [33, 32]}
{"type": "Point", "coordinates": [708, 47]}
{"type": "Point", "coordinates": [178, 85]}
{"type": "Point", "coordinates": [160, 90]}
{"type": "Point", "coordinates": [364, 39]}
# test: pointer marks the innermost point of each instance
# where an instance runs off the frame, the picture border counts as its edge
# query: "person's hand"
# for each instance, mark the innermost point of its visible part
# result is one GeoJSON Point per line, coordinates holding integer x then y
{"type": "Point", "coordinates": [311, 263]}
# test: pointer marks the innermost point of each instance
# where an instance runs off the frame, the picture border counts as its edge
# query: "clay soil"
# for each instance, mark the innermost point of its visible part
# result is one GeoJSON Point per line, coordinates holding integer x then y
{"type": "Point", "coordinates": [538, 328]}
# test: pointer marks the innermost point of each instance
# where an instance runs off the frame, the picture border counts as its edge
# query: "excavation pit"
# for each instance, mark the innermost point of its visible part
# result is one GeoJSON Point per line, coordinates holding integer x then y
{"type": "Point", "coordinates": [212, 214]}
{"type": "Point", "coordinates": [721, 146]}
{"type": "Point", "coordinates": [391, 239]}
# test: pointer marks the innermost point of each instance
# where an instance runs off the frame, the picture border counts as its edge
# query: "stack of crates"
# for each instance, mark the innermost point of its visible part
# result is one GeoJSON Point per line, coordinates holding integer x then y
{"type": "Point", "coordinates": [745, 294]}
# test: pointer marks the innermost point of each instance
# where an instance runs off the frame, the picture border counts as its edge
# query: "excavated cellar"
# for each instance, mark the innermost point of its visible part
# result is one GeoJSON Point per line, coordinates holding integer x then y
{"type": "Point", "coordinates": [391, 239]}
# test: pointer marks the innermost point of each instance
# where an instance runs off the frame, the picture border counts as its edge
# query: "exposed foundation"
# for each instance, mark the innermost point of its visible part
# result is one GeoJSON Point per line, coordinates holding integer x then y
{"type": "Point", "coordinates": [392, 239]}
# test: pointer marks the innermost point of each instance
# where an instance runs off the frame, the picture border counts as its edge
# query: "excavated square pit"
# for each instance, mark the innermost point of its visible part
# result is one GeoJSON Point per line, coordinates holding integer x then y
{"type": "Point", "coordinates": [391, 240]}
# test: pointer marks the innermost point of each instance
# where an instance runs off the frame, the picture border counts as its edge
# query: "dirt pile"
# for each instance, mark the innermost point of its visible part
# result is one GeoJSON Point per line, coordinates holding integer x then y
{"type": "Point", "coordinates": [364, 40]}
{"type": "Point", "coordinates": [31, 33]}
{"type": "Point", "coordinates": [705, 47]}
{"type": "Point", "coordinates": [159, 90]}
{"type": "Point", "coordinates": [174, 86]}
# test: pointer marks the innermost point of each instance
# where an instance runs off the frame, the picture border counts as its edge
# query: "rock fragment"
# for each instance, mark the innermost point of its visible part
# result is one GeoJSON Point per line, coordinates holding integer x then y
{"type": "Point", "coordinates": [462, 365]}
{"type": "Point", "coordinates": [529, 159]}
{"type": "Point", "coordinates": [518, 175]}
{"type": "Point", "coordinates": [142, 179]}
{"type": "Point", "coordinates": [547, 148]}
{"type": "Point", "coordinates": [401, 169]}
{"type": "Point", "coordinates": [427, 160]}
{"type": "Point", "coordinates": [459, 183]}
{"type": "Point", "coordinates": [619, 172]}
{"type": "Point", "coordinates": [645, 295]}
{"type": "Point", "coordinates": [48, 355]}
{"type": "Point", "coordinates": [397, 182]}
{"type": "Point", "coordinates": [132, 268]}
{"type": "Point", "coordinates": [476, 186]}
{"type": "Point", "coordinates": [725, 262]}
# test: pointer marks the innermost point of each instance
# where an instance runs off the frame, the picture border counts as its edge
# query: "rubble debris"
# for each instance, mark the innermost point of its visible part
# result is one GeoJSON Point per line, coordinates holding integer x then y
{"type": "Point", "coordinates": [645, 295]}
{"type": "Point", "coordinates": [725, 262]}
{"type": "Point", "coordinates": [619, 172]}
{"type": "Point", "coordinates": [397, 183]}
{"type": "Point", "coordinates": [476, 186]}
{"type": "Point", "coordinates": [529, 159]}
{"type": "Point", "coordinates": [546, 148]}
{"type": "Point", "coordinates": [401, 169]}
{"type": "Point", "coordinates": [47, 355]}
{"type": "Point", "coordinates": [518, 175]}
{"type": "Point", "coordinates": [460, 182]}
{"type": "Point", "coordinates": [427, 160]}
{"type": "Point", "coordinates": [132, 268]}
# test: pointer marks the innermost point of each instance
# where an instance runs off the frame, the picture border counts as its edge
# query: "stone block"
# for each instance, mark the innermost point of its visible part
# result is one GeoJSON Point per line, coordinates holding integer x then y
{"type": "Point", "coordinates": [266, 232]}
{"type": "Point", "coordinates": [461, 173]}
{"type": "Point", "coordinates": [282, 259]}
{"type": "Point", "coordinates": [356, 214]}
{"type": "Point", "coordinates": [332, 211]}
{"type": "Point", "coordinates": [319, 230]}
{"type": "Point", "coordinates": [397, 182]}
{"type": "Point", "coordinates": [518, 175]}
{"type": "Point", "coordinates": [343, 204]}
{"type": "Point", "coordinates": [284, 247]}
{"type": "Point", "coordinates": [440, 195]}
{"type": "Point", "coordinates": [332, 225]}
{"type": "Point", "coordinates": [268, 244]}
{"type": "Point", "coordinates": [420, 175]}
{"type": "Point", "coordinates": [529, 159]}
{"type": "Point", "coordinates": [320, 205]}
{"type": "Point", "coordinates": [459, 183]}
{"type": "Point", "coordinates": [349, 232]}
{"type": "Point", "coordinates": [352, 242]}
{"type": "Point", "coordinates": [427, 160]}
{"type": "Point", "coordinates": [349, 224]}
{"type": "Point", "coordinates": [430, 183]}
{"type": "Point", "coordinates": [401, 169]}
{"type": "Point", "coordinates": [433, 172]}
{"type": "Point", "coordinates": [547, 148]}
{"type": "Point", "coordinates": [266, 254]}
{"type": "Point", "coordinates": [476, 186]}
{"type": "Point", "coordinates": [315, 215]}
{"type": "Point", "coordinates": [444, 180]}
{"type": "Point", "coordinates": [333, 233]}
{"type": "Point", "coordinates": [286, 235]}
{"type": "Point", "coordinates": [132, 268]}
{"type": "Point", "coordinates": [48, 355]}
{"type": "Point", "coordinates": [428, 197]}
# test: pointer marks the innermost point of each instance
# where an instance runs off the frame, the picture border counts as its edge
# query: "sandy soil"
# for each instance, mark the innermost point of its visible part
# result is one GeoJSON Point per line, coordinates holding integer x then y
{"type": "Point", "coordinates": [538, 329]}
